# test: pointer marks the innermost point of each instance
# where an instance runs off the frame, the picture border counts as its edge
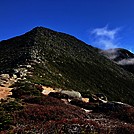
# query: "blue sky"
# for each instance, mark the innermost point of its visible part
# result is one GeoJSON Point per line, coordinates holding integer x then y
{"type": "Point", "coordinates": [101, 23]}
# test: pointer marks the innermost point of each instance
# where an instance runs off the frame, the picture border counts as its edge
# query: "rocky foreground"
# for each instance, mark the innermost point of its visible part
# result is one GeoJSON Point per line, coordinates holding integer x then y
{"type": "Point", "coordinates": [27, 110]}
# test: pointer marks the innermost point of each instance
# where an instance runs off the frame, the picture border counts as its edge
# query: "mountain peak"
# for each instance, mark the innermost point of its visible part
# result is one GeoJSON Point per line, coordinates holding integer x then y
{"type": "Point", "coordinates": [39, 28]}
{"type": "Point", "coordinates": [118, 54]}
{"type": "Point", "coordinates": [122, 57]}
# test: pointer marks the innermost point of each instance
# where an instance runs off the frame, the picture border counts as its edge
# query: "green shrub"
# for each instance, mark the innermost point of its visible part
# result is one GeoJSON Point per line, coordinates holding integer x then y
{"type": "Point", "coordinates": [5, 119]}
{"type": "Point", "coordinates": [25, 89]}
{"type": "Point", "coordinates": [12, 106]}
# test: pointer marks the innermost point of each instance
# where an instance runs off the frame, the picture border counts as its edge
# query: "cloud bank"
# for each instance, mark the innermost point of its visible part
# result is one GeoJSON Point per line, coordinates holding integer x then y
{"type": "Point", "coordinates": [126, 61]}
{"type": "Point", "coordinates": [105, 37]}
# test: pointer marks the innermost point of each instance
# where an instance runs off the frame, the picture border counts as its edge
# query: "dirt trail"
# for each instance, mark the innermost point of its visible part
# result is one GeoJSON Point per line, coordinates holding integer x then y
{"type": "Point", "coordinates": [5, 91]}
{"type": "Point", "coordinates": [47, 90]}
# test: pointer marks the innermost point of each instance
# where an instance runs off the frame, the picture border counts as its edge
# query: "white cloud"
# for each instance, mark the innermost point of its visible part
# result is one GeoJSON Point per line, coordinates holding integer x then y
{"type": "Point", "coordinates": [105, 37]}
{"type": "Point", "coordinates": [126, 61]}
{"type": "Point", "coordinates": [107, 44]}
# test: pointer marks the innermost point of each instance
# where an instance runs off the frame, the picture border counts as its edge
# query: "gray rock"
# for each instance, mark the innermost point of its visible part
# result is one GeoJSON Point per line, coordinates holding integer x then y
{"type": "Point", "coordinates": [73, 94]}
{"type": "Point", "coordinates": [4, 76]}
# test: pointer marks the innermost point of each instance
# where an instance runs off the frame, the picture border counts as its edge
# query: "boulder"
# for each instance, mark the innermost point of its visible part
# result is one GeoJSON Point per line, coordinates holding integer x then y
{"type": "Point", "coordinates": [72, 94]}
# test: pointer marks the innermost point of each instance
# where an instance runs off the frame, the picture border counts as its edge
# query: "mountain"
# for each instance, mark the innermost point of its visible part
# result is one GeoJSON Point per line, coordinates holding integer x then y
{"type": "Point", "coordinates": [43, 61]}
{"type": "Point", "coordinates": [62, 61]}
{"type": "Point", "coordinates": [122, 57]}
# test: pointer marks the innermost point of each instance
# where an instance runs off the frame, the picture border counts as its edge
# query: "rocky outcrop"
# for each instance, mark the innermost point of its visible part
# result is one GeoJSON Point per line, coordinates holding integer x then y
{"type": "Point", "coordinates": [6, 80]}
{"type": "Point", "coordinates": [60, 93]}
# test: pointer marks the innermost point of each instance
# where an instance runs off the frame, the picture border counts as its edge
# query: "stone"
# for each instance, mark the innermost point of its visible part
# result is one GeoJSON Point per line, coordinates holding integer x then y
{"type": "Point", "coordinates": [14, 76]}
{"type": "Point", "coordinates": [5, 76]}
{"type": "Point", "coordinates": [72, 94]}
{"type": "Point", "coordinates": [28, 66]}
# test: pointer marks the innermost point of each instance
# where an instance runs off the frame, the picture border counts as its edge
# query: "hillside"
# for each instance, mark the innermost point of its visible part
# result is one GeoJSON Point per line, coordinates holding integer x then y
{"type": "Point", "coordinates": [61, 61]}
{"type": "Point", "coordinates": [43, 61]}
